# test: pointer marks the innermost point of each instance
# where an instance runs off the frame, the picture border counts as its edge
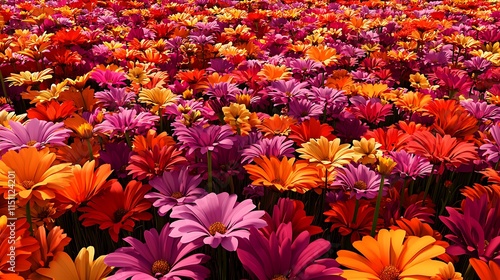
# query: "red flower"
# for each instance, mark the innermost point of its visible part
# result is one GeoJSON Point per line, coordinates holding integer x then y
{"type": "Point", "coordinates": [52, 111]}
{"type": "Point", "coordinates": [152, 163]}
{"type": "Point", "coordinates": [312, 128]}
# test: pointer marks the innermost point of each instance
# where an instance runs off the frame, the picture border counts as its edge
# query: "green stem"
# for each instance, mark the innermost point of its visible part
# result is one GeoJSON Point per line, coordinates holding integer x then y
{"type": "Point", "coordinates": [91, 153]}
{"type": "Point", "coordinates": [377, 206]}
{"type": "Point", "coordinates": [231, 184]}
{"type": "Point", "coordinates": [160, 114]}
{"type": "Point", "coordinates": [4, 90]}
{"type": "Point", "coordinates": [428, 185]}
{"type": "Point", "coordinates": [127, 138]}
{"type": "Point", "coordinates": [209, 164]}
{"type": "Point", "coordinates": [402, 195]}
{"type": "Point", "coordinates": [28, 216]}
{"type": "Point", "coordinates": [356, 208]}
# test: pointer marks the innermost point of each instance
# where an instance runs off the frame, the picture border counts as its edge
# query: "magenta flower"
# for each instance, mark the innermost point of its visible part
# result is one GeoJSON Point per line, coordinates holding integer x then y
{"type": "Point", "coordinates": [370, 110]}
{"type": "Point", "coordinates": [127, 120]}
{"type": "Point", "coordinates": [278, 146]}
{"type": "Point", "coordinates": [361, 181]}
{"type": "Point", "coordinates": [278, 257]}
{"type": "Point", "coordinates": [410, 165]}
{"type": "Point", "coordinates": [282, 92]}
{"type": "Point", "coordinates": [175, 188]}
{"type": "Point", "coordinates": [108, 78]}
{"type": "Point", "coordinates": [160, 257]}
{"type": "Point", "coordinates": [205, 139]}
{"type": "Point", "coordinates": [482, 111]}
{"type": "Point", "coordinates": [217, 219]}
{"type": "Point", "coordinates": [34, 133]}
{"type": "Point", "coordinates": [492, 149]}
{"type": "Point", "coordinates": [114, 98]}
{"type": "Point", "coordinates": [303, 109]}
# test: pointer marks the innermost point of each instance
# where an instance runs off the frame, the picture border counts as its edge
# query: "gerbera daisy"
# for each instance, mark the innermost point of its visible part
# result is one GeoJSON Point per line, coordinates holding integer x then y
{"type": "Point", "coordinates": [36, 174]}
{"type": "Point", "coordinates": [175, 188]}
{"type": "Point", "coordinates": [80, 126]}
{"type": "Point", "coordinates": [283, 175]}
{"type": "Point", "coordinates": [280, 256]}
{"type": "Point", "coordinates": [330, 154]}
{"type": "Point", "coordinates": [277, 146]}
{"type": "Point", "coordinates": [33, 133]}
{"type": "Point", "coordinates": [281, 92]}
{"type": "Point", "coordinates": [410, 165]}
{"type": "Point", "coordinates": [205, 139]}
{"type": "Point", "coordinates": [276, 125]}
{"type": "Point", "coordinates": [448, 273]}
{"type": "Point", "coordinates": [370, 110]}
{"type": "Point", "coordinates": [83, 268]}
{"type": "Point", "coordinates": [117, 208]}
{"type": "Point", "coordinates": [492, 150]}
{"type": "Point", "coordinates": [27, 78]}
{"type": "Point", "coordinates": [52, 111]}
{"type": "Point", "coordinates": [388, 257]}
{"type": "Point", "coordinates": [309, 129]}
{"type": "Point", "coordinates": [367, 149]}
{"type": "Point", "coordinates": [486, 271]}
{"type": "Point", "coordinates": [217, 219]}
{"type": "Point", "coordinates": [114, 98]}
{"type": "Point", "coordinates": [361, 181]}
{"type": "Point", "coordinates": [108, 78]}
{"type": "Point", "coordinates": [126, 122]}
{"type": "Point", "coordinates": [158, 97]}
{"type": "Point", "coordinates": [24, 245]}
{"type": "Point", "coordinates": [150, 163]}
{"type": "Point", "coordinates": [151, 139]}
{"type": "Point", "coordinates": [303, 109]}
{"type": "Point", "coordinates": [50, 245]}
{"type": "Point", "coordinates": [160, 257]}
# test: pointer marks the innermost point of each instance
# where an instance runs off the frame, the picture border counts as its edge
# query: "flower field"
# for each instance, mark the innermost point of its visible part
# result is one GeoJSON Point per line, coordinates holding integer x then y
{"type": "Point", "coordinates": [269, 140]}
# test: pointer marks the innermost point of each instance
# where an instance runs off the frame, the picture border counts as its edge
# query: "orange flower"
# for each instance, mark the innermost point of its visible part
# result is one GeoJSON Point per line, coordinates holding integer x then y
{"type": "Point", "coordinates": [391, 139]}
{"type": "Point", "coordinates": [283, 176]}
{"type": "Point", "coordinates": [83, 98]}
{"type": "Point", "coordinates": [142, 143]}
{"type": "Point", "coordinates": [485, 271]}
{"type": "Point", "coordinates": [117, 208]}
{"type": "Point", "coordinates": [276, 125]}
{"type": "Point", "coordinates": [326, 55]}
{"type": "Point", "coordinates": [451, 118]}
{"type": "Point", "coordinates": [388, 257]}
{"type": "Point", "coordinates": [373, 90]}
{"type": "Point", "coordinates": [50, 245]}
{"type": "Point", "coordinates": [77, 152]}
{"type": "Point", "coordinates": [413, 101]}
{"type": "Point", "coordinates": [411, 128]}
{"type": "Point", "coordinates": [195, 78]}
{"type": "Point", "coordinates": [448, 273]}
{"type": "Point", "coordinates": [80, 126]}
{"type": "Point", "coordinates": [366, 150]}
{"type": "Point", "coordinates": [52, 111]}
{"type": "Point", "coordinates": [24, 245]}
{"type": "Point", "coordinates": [36, 176]}
{"type": "Point", "coordinates": [87, 182]}
{"type": "Point", "coordinates": [274, 73]}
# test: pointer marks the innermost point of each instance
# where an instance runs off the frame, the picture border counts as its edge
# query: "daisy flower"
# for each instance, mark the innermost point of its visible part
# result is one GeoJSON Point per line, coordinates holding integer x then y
{"type": "Point", "coordinates": [361, 181]}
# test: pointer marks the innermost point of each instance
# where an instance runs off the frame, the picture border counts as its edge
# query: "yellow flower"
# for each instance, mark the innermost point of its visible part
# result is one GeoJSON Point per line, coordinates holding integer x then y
{"type": "Point", "coordinates": [5, 117]}
{"type": "Point", "coordinates": [419, 81]}
{"type": "Point", "coordinates": [159, 97]}
{"type": "Point", "coordinates": [367, 150]}
{"type": "Point", "coordinates": [329, 154]}
{"type": "Point", "coordinates": [385, 165]}
{"type": "Point", "coordinates": [413, 101]}
{"type": "Point", "coordinates": [138, 75]}
{"type": "Point", "coordinates": [390, 257]}
{"type": "Point", "coordinates": [447, 273]}
{"type": "Point", "coordinates": [80, 126]}
{"type": "Point", "coordinates": [84, 267]}
{"type": "Point", "coordinates": [28, 78]}
{"type": "Point", "coordinates": [46, 95]}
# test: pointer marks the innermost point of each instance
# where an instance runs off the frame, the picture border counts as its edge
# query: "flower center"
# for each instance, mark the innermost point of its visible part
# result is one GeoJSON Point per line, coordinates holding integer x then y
{"type": "Point", "coordinates": [119, 214]}
{"type": "Point", "coordinates": [360, 185]}
{"type": "Point", "coordinates": [160, 268]}
{"type": "Point", "coordinates": [177, 195]}
{"type": "Point", "coordinates": [389, 273]}
{"type": "Point", "coordinates": [31, 142]}
{"type": "Point", "coordinates": [27, 184]}
{"type": "Point", "coordinates": [217, 227]}
{"type": "Point", "coordinates": [279, 277]}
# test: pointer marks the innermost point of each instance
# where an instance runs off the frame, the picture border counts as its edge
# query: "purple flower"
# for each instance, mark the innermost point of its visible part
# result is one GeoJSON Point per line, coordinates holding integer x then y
{"type": "Point", "coordinates": [482, 111]}
{"type": "Point", "coordinates": [477, 64]}
{"type": "Point", "coordinates": [410, 165]}
{"type": "Point", "coordinates": [304, 109]}
{"type": "Point", "coordinates": [117, 155]}
{"type": "Point", "coordinates": [127, 120]}
{"type": "Point", "coordinates": [277, 146]}
{"type": "Point", "coordinates": [34, 133]}
{"type": "Point", "coordinates": [492, 150]}
{"type": "Point", "coordinates": [361, 181]}
{"type": "Point", "coordinates": [160, 257]}
{"type": "Point", "coordinates": [330, 99]}
{"type": "Point", "coordinates": [114, 98]}
{"type": "Point", "coordinates": [175, 188]}
{"type": "Point", "coordinates": [281, 257]}
{"type": "Point", "coordinates": [217, 219]}
{"type": "Point", "coordinates": [283, 91]}
{"type": "Point", "coordinates": [205, 139]}
{"type": "Point", "coordinates": [108, 78]}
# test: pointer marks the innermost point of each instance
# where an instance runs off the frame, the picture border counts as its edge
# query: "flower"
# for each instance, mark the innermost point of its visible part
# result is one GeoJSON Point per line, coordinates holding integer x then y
{"type": "Point", "coordinates": [385, 165]}
{"type": "Point", "coordinates": [448, 273]}
{"type": "Point", "coordinates": [118, 208]}
{"type": "Point", "coordinates": [126, 121]}
{"type": "Point", "coordinates": [36, 175]}
{"type": "Point", "coordinates": [368, 150]}
{"type": "Point", "coordinates": [492, 150]}
{"type": "Point", "coordinates": [388, 257]}
{"type": "Point", "coordinates": [279, 256]}
{"type": "Point", "coordinates": [159, 97]}
{"type": "Point", "coordinates": [175, 188]}
{"type": "Point", "coordinates": [283, 175]}
{"type": "Point", "coordinates": [217, 219]}
{"type": "Point", "coordinates": [410, 165]}
{"type": "Point", "coordinates": [108, 78]}
{"type": "Point", "coordinates": [24, 244]}
{"type": "Point", "coordinates": [52, 111]}
{"type": "Point", "coordinates": [114, 98]}
{"type": "Point", "coordinates": [83, 268]}
{"type": "Point", "coordinates": [28, 78]}
{"type": "Point", "coordinates": [359, 180]}
{"type": "Point", "coordinates": [149, 163]}
{"type": "Point", "coordinates": [33, 133]}
{"type": "Point", "coordinates": [50, 245]}
{"type": "Point", "coordinates": [330, 154]}
{"type": "Point", "coordinates": [160, 257]}
{"type": "Point", "coordinates": [370, 110]}
{"type": "Point", "coordinates": [485, 271]}
{"type": "Point", "coordinates": [276, 125]}
{"type": "Point", "coordinates": [309, 129]}
{"type": "Point", "coordinates": [212, 138]}
{"type": "Point", "coordinates": [277, 146]}
{"type": "Point", "coordinates": [80, 126]}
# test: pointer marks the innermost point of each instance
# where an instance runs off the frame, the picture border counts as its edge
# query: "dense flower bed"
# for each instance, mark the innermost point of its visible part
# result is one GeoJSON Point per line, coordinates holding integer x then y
{"type": "Point", "coordinates": [250, 139]}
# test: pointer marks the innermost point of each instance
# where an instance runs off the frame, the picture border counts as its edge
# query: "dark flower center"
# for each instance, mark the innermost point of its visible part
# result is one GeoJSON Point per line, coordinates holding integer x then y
{"type": "Point", "coordinates": [279, 277]}
{"type": "Point", "coordinates": [160, 268]}
{"type": "Point", "coordinates": [177, 195]}
{"type": "Point", "coordinates": [119, 214]}
{"type": "Point", "coordinates": [360, 185]}
{"type": "Point", "coordinates": [217, 227]}
{"type": "Point", "coordinates": [27, 184]}
{"type": "Point", "coordinates": [389, 273]}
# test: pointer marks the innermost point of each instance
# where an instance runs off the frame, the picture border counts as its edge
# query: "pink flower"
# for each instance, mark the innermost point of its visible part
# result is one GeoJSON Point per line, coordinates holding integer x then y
{"type": "Point", "coordinates": [127, 120]}
{"type": "Point", "coordinates": [217, 219]}
{"type": "Point", "coordinates": [205, 139]}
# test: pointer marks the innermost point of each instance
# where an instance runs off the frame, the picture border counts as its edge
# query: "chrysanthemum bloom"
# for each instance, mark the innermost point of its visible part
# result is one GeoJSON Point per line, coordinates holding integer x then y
{"type": "Point", "coordinates": [160, 257]}
{"type": "Point", "coordinates": [86, 183]}
{"type": "Point", "coordinates": [204, 139]}
{"type": "Point", "coordinates": [280, 256]}
{"type": "Point", "coordinates": [24, 245]}
{"type": "Point", "coordinates": [360, 180]}
{"type": "Point", "coordinates": [309, 129]}
{"type": "Point", "coordinates": [83, 268]}
{"type": "Point", "coordinates": [330, 154]}
{"type": "Point", "coordinates": [217, 219]}
{"type": "Point", "coordinates": [52, 111]}
{"type": "Point", "coordinates": [50, 245]}
{"type": "Point", "coordinates": [342, 214]}
{"type": "Point", "coordinates": [150, 163]}
{"type": "Point", "coordinates": [36, 175]}
{"type": "Point", "coordinates": [117, 208]}
{"type": "Point", "coordinates": [126, 121]}
{"type": "Point", "coordinates": [448, 273]}
{"type": "Point", "coordinates": [410, 165]}
{"type": "Point", "coordinates": [492, 150]}
{"type": "Point", "coordinates": [289, 211]}
{"type": "Point", "coordinates": [283, 175]}
{"type": "Point", "coordinates": [114, 98]}
{"type": "Point", "coordinates": [367, 149]}
{"type": "Point", "coordinates": [389, 258]}
{"type": "Point", "coordinates": [486, 271]}
{"type": "Point", "coordinates": [175, 188]}
{"type": "Point", "coordinates": [33, 133]}
{"type": "Point", "coordinates": [277, 146]}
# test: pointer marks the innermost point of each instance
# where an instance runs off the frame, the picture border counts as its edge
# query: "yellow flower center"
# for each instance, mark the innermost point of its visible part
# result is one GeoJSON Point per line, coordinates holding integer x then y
{"type": "Point", "coordinates": [118, 215]}
{"type": "Point", "coordinates": [177, 195]}
{"type": "Point", "coordinates": [360, 185]}
{"type": "Point", "coordinates": [217, 227]}
{"type": "Point", "coordinates": [389, 273]}
{"type": "Point", "coordinates": [279, 277]}
{"type": "Point", "coordinates": [160, 267]}
{"type": "Point", "coordinates": [27, 184]}
{"type": "Point", "coordinates": [31, 142]}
